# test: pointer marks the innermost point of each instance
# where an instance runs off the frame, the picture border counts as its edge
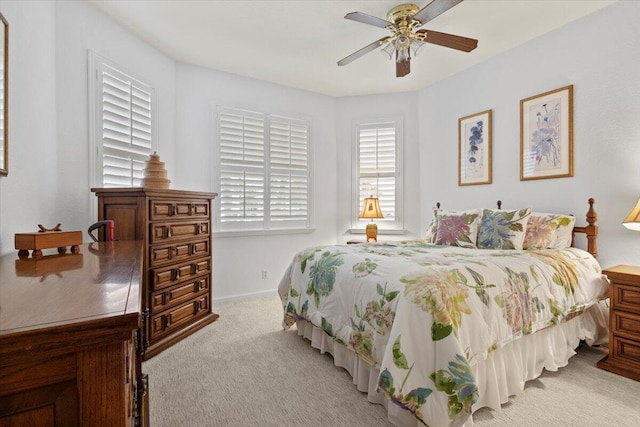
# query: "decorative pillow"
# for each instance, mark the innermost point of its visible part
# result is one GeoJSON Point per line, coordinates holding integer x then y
{"type": "Point", "coordinates": [431, 232]}
{"type": "Point", "coordinates": [503, 229]}
{"type": "Point", "coordinates": [457, 228]}
{"type": "Point", "coordinates": [549, 231]}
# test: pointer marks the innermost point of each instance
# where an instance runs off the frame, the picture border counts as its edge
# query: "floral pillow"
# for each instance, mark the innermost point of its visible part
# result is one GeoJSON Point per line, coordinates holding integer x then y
{"type": "Point", "coordinates": [457, 228]}
{"type": "Point", "coordinates": [503, 229]}
{"type": "Point", "coordinates": [549, 231]}
{"type": "Point", "coordinates": [431, 232]}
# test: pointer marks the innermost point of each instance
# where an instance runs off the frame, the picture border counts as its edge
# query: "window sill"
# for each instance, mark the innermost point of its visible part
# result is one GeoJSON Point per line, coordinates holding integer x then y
{"type": "Point", "coordinates": [271, 232]}
{"type": "Point", "coordinates": [380, 231]}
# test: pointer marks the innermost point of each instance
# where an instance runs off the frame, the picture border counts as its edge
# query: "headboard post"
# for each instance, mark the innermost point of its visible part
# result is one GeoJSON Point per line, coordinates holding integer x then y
{"type": "Point", "coordinates": [590, 230]}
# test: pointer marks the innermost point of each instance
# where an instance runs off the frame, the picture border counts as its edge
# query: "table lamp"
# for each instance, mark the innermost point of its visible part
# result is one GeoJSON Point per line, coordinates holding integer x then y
{"type": "Point", "coordinates": [632, 221]}
{"type": "Point", "coordinates": [371, 209]}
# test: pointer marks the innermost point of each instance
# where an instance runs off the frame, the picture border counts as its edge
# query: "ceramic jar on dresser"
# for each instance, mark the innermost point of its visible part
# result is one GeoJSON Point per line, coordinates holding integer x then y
{"type": "Point", "coordinates": [176, 229]}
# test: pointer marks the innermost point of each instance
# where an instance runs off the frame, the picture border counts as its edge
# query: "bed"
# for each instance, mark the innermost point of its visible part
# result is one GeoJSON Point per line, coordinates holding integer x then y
{"type": "Point", "coordinates": [435, 329]}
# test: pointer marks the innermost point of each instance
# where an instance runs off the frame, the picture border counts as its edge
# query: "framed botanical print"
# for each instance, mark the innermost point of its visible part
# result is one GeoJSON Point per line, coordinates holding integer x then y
{"type": "Point", "coordinates": [474, 149]}
{"type": "Point", "coordinates": [546, 135]}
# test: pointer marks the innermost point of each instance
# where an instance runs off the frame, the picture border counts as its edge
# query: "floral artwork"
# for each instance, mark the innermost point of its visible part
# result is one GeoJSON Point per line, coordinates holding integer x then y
{"type": "Point", "coordinates": [546, 135]}
{"type": "Point", "coordinates": [474, 149]}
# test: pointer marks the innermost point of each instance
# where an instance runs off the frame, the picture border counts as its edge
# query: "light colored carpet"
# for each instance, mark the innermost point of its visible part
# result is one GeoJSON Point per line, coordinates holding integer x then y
{"type": "Point", "coordinates": [244, 370]}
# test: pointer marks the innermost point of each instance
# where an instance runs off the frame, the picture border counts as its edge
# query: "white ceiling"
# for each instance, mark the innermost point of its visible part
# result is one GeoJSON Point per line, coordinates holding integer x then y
{"type": "Point", "coordinates": [297, 43]}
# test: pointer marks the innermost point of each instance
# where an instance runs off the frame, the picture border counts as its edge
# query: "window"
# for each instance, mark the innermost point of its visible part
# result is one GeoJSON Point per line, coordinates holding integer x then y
{"type": "Point", "coordinates": [378, 171]}
{"type": "Point", "coordinates": [263, 171]}
{"type": "Point", "coordinates": [123, 136]}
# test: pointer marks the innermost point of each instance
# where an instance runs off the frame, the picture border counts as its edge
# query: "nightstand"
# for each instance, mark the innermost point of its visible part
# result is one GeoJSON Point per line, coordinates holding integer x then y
{"type": "Point", "coordinates": [624, 324]}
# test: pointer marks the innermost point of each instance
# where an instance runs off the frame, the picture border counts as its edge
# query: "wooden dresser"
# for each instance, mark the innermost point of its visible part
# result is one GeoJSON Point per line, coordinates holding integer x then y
{"type": "Point", "coordinates": [175, 227]}
{"type": "Point", "coordinates": [624, 332]}
{"type": "Point", "coordinates": [68, 338]}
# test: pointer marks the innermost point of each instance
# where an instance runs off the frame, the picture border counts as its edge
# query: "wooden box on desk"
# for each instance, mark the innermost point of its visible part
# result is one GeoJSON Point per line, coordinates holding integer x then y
{"type": "Point", "coordinates": [35, 242]}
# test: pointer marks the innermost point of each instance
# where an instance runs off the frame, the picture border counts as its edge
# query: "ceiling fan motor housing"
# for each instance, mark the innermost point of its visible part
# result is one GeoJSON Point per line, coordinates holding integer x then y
{"type": "Point", "coordinates": [401, 13]}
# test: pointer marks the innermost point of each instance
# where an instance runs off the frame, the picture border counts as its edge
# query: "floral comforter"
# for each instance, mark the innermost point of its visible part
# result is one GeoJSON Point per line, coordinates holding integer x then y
{"type": "Point", "coordinates": [424, 314]}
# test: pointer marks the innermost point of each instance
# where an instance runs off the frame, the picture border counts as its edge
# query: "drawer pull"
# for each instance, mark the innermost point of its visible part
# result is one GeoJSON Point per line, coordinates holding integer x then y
{"type": "Point", "coordinates": [173, 251]}
{"type": "Point", "coordinates": [168, 232]}
{"type": "Point", "coordinates": [176, 274]}
{"type": "Point", "coordinates": [196, 268]}
{"type": "Point", "coordinates": [198, 306]}
{"type": "Point", "coordinates": [192, 209]}
{"type": "Point", "coordinates": [165, 297]}
{"type": "Point", "coordinates": [197, 285]}
{"type": "Point", "coordinates": [166, 320]}
{"type": "Point", "coordinates": [174, 209]}
{"type": "Point", "coordinates": [192, 249]}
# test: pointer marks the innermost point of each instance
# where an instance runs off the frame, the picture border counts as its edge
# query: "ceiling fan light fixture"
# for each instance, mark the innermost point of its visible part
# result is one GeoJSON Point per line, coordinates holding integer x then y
{"type": "Point", "coordinates": [388, 50]}
{"type": "Point", "coordinates": [416, 46]}
{"type": "Point", "coordinates": [403, 55]}
{"type": "Point", "coordinates": [406, 40]}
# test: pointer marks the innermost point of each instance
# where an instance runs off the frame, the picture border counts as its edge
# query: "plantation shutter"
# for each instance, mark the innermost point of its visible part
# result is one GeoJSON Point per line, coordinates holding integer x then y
{"type": "Point", "coordinates": [242, 166]}
{"type": "Point", "coordinates": [377, 166]}
{"type": "Point", "coordinates": [288, 177]}
{"type": "Point", "coordinates": [264, 171]}
{"type": "Point", "coordinates": [125, 127]}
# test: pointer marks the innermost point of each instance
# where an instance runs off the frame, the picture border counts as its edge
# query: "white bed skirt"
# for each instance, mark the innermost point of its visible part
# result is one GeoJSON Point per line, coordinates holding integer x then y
{"type": "Point", "coordinates": [501, 375]}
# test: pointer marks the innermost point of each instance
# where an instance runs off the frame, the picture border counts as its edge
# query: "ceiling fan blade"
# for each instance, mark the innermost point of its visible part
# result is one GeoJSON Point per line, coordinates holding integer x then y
{"type": "Point", "coordinates": [368, 48]}
{"type": "Point", "coordinates": [403, 68]}
{"type": "Point", "coordinates": [464, 44]}
{"type": "Point", "coordinates": [433, 10]}
{"type": "Point", "coordinates": [369, 19]}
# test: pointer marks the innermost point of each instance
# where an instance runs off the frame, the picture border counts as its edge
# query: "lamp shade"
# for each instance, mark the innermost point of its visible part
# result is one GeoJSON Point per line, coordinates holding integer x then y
{"type": "Point", "coordinates": [371, 208]}
{"type": "Point", "coordinates": [632, 221]}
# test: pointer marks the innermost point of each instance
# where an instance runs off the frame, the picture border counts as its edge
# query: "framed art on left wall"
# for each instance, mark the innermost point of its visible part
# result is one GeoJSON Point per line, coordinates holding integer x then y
{"type": "Point", "coordinates": [474, 149]}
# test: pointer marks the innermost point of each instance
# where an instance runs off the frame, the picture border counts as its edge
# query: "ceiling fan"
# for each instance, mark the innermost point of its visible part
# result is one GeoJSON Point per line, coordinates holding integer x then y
{"type": "Point", "coordinates": [401, 21]}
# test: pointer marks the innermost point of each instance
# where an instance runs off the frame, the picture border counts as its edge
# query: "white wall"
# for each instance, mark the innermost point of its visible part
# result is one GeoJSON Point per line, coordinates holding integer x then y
{"type": "Point", "coordinates": [48, 180]}
{"type": "Point", "coordinates": [376, 107]}
{"type": "Point", "coordinates": [239, 261]}
{"type": "Point", "coordinates": [28, 195]}
{"type": "Point", "coordinates": [598, 54]}
{"type": "Point", "coordinates": [80, 27]}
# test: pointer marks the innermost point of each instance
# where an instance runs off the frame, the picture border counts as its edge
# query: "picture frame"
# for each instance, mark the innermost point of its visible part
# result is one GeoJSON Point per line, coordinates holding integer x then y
{"type": "Point", "coordinates": [546, 135]}
{"type": "Point", "coordinates": [474, 149]}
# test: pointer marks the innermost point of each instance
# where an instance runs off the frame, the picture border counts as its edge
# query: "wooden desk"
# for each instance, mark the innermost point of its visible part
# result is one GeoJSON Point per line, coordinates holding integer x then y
{"type": "Point", "coordinates": [68, 328]}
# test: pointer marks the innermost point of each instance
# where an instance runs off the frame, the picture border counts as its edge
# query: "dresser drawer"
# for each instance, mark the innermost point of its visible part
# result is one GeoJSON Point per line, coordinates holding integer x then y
{"type": "Point", "coordinates": [626, 297]}
{"type": "Point", "coordinates": [178, 317]}
{"type": "Point", "coordinates": [159, 255]}
{"type": "Point", "coordinates": [175, 231]}
{"type": "Point", "coordinates": [626, 351]}
{"type": "Point", "coordinates": [172, 275]}
{"type": "Point", "coordinates": [160, 300]}
{"type": "Point", "coordinates": [626, 324]}
{"type": "Point", "coordinates": [175, 209]}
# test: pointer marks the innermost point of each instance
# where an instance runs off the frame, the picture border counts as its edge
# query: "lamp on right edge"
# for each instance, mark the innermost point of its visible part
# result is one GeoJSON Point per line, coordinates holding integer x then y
{"type": "Point", "coordinates": [632, 221]}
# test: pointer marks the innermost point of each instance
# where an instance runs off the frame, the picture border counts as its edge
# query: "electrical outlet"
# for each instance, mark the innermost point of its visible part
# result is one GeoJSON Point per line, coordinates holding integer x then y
{"type": "Point", "coordinates": [264, 274]}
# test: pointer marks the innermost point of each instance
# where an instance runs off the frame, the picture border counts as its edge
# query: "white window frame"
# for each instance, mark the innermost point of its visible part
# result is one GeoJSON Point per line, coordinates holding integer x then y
{"type": "Point", "coordinates": [266, 225]}
{"type": "Point", "coordinates": [96, 64]}
{"type": "Point", "coordinates": [385, 225]}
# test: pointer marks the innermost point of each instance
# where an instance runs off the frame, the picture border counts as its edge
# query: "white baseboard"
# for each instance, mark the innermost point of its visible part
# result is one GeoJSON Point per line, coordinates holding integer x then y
{"type": "Point", "coordinates": [240, 297]}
